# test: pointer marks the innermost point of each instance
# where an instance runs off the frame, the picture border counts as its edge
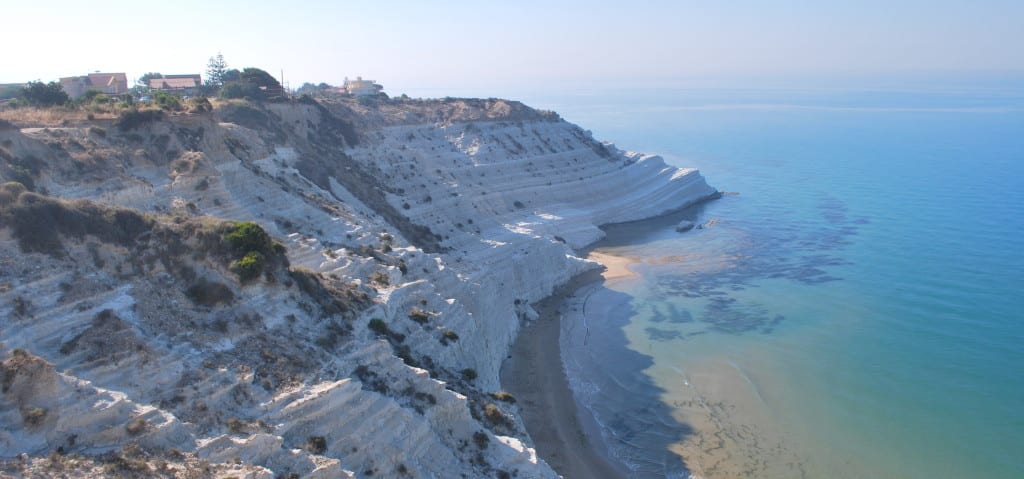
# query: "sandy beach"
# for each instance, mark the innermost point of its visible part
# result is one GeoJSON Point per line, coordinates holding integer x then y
{"type": "Point", "coordinates": [616, 267]}
{"type": "Point", "coordinates": [534, 375]}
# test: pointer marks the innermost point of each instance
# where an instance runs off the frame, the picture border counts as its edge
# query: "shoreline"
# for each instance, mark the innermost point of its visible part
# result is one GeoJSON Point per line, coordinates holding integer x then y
{"type": "Point", "coordinates": [616, 267]}
{"type": "Point", "coordinates": [562, 436]}
{"type": "Point", "coordinates": [563, 432]}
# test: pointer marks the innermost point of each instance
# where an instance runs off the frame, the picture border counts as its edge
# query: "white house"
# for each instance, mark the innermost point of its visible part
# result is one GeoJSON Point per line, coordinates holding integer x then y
{"type": "Point", "coordinates": [360, 87]}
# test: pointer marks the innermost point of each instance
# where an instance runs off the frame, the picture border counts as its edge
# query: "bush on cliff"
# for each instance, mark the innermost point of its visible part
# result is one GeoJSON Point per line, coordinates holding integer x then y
{"type": "Point", "coordinates": [253, 244]}
{"type": "Point", "coordinates": [167, 101]}
{"type": "Point", "coordinates": [37, 221]}
{"type": "Point", "coordinates": [316, 444]}
{"type": "Point", "coordinates": [132, 119]}
{"type": "Point", "coordinates": [209, 293]}
{"type": "Point", "coordinates": [249, 266]}
{"type": "Point", "coordinates": [237, 90]}
{"type": "Point", "coordinates": [255, 84]}
{"type": "Point", "coordinates": [37, 93]}
{"type": "Point", "coordinates": [419, 315]}
{"type": "Point", "coordinates": [248, 236]}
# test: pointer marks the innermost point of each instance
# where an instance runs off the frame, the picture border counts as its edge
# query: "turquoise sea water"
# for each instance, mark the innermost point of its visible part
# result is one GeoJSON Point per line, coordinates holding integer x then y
{"type": "Point", "coordinates": [856, 310]}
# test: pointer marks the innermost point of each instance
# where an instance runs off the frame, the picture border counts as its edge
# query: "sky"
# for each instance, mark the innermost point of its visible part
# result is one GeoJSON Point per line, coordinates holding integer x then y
{"type": "Point", "coordinates": [452, 46]}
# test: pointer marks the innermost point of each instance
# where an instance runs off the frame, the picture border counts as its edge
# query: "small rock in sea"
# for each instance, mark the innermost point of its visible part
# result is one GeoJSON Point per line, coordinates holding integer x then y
{"type": "Point", "coordinates": [684, 226]}
{"type": "Point", "coordinates": [708, 224]}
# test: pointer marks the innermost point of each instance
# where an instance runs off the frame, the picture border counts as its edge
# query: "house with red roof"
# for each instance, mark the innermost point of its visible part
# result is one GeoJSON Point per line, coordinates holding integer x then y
{"type": "Point", "coordinates": [177, 84]}
{"type": "Point", "coordinates": [107, 83]}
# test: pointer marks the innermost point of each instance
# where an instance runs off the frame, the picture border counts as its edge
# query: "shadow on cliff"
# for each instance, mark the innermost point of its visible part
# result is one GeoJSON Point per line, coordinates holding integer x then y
{"type": "Point", "coordinates": [640, 232]}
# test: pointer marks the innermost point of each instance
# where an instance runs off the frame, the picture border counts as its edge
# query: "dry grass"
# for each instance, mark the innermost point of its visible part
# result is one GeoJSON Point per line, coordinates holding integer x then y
{"type": "Point", "coordinates": [31, 117]}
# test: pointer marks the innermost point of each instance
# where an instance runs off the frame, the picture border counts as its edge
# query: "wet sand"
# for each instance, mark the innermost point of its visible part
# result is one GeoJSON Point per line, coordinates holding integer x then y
{"type": "Point", "coordinates": [617, 267]}
{"type": "Point", "coordinates": [534, 374]}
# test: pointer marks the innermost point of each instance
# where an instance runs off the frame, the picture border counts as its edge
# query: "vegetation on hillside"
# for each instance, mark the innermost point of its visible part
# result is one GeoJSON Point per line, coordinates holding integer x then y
{"type": "Point", "coordinates": [37, 93]}
{"type": "Point", "coordinates": [10, 91]}
{"type": "Point", "coordinates": [39, 222]}
{"type": "Point", "coordinates": [255, 84]}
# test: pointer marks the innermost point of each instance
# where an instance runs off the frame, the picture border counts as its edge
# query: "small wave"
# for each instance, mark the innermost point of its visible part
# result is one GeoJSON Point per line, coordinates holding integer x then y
{"type": "Point", "coordinates": [749, 381]}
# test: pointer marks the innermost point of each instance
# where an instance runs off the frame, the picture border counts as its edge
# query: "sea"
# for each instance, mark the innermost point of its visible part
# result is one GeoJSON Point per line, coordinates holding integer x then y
{"type": "Point", "coordinates": [851, 307]}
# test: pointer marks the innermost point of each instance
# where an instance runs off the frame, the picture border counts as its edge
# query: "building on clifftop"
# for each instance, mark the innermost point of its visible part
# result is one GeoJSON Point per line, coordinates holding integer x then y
{"type": "Point", "coordinates": [108, 83]}
{"type": "Point", "coordinates": [360, 87]}
{"type": "Point", "coordinates": [177, 84]}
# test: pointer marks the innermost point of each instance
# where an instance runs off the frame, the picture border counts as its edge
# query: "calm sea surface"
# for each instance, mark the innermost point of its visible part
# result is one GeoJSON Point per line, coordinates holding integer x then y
{"type": "Point", "coordinates": [856, 309]}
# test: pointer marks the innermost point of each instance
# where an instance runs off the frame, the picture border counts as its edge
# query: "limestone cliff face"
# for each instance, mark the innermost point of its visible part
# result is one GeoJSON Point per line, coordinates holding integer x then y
{"type": "Point", "coordinates": [417, 234]}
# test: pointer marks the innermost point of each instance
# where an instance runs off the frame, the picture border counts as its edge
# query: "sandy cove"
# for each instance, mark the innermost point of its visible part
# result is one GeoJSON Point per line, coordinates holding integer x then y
{"type": "Point", "coordinates": [565, 436]}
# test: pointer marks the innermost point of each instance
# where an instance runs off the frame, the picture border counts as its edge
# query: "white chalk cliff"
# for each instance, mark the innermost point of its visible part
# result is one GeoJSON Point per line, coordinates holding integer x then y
{"type": "Point", "coordinates": [441, 220]}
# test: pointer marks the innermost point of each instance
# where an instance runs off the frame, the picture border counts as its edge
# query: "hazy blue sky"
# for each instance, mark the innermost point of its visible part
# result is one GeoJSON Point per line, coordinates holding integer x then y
{"type": "Point", "coordinates": [494, 44]}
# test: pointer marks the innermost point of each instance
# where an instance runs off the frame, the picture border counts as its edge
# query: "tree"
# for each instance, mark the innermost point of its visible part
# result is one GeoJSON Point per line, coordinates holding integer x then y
{"type": "Point", "coordinates": [311, 89]}
{"type": "Point", "coordinates": [215, 70]}
{"type": "Point", "coordinates": [37, 93]}
{"type": "Point", "coordinates": [253, 83]}
{"type": "Point", "coordinates": [91, 96]}
{"type": "Point", "coordinates": [167, 101]}
{"type": "Point", "coordinates": [237, 89]}
{"type": "Point", "coordinates": [143, 80]}
{"type": "Point", "coordinates": [306, 88]}
{"type": "Point", "coordinates": [232, 75]}
{"type": "Point", "coordinates": [9, 91]}
{"type": "Point", "coordinates": [260, 78]}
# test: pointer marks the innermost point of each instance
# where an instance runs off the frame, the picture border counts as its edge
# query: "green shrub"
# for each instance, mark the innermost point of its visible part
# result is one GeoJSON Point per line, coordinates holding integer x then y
{"type": "Point", "coordinates": [335, 297]}
{"type": "Point", "coordinates": [253, 83]}
{"type": "Point", "coordinates": [379, 277]}
{"type": "Point", "coordinates": [250, 266]}
{"type": "Point", "coordinates": [237, 90]}
{"type": "Point", "coordinates": [405, 354]}
{"type": "Point", "coordinates": [9, 191]}
{"type": "Point", "coordinates": [92, 96]}
{"type": "Point", "coordinates": [449, 336]}
{"type": "Point", "coordinates": [167, 101]}
{"type": "Point", "coordinates": [37, 93]}
{"type": "Point", "coordinates": [481, 439]}
{"type": "Point", "coordinates": [237, 425]}
{"type": "Point", "coordinates": [38, 221]}
{"type": "Point", "coordinates": [136, 427]}
{"type": "Point", "coordinates": [200, 104]}
{"type": "Point", "coordinates": [469, 374]}
{"type": "Point", "coordinates": [379, 326]}
{"type": "Point", "coordinates": [132, 119]}
{"type": "Point", "coordinates": [21, 170]}
{"type": "Point", "coordinates": [333, 332]}
{"type": "Point", "coordinates": [248, 236]}
{"type": "Point", "coordinates": [33, 416]}
{"type": "Point", "coordinates": [504, 397]}
{"type": "Point", "coordinates": [419, 315]}
{"type": "Point", "coordinates": [209, 293]}
{"type": "Point", "coordinates": [316, 444]}
{"type": "Point", "coordinates": [495, 415]}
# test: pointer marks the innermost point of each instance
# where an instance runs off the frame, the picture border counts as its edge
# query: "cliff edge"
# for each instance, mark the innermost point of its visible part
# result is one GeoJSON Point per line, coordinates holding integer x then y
{"type": "Point", "coordinates": [303, 289]}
